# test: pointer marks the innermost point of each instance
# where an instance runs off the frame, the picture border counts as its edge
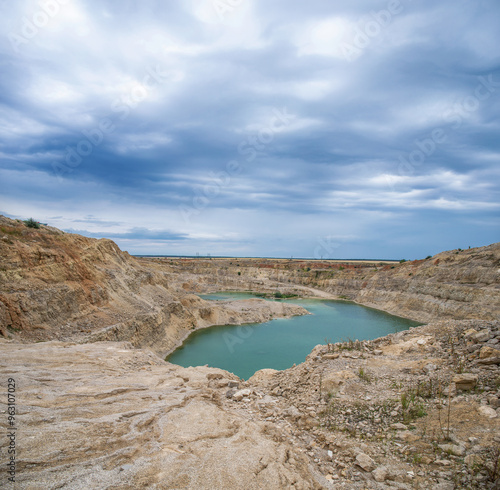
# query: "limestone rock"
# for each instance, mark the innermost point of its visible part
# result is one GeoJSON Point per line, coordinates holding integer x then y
{"type": "Point", "coordinates": [487, 412]}
{"type": "Point", "coordinates": [494, 401]}
{"type": "Point", "coordinates": [262, 375]}
{"type": "Point", "coordinates": [469, 333]}
{"type": "Point", "coordinates": [429, 368]}
{"type": "Point", "coordinates": [489, 361]}
{"type": "Point", "coordinates": [443, 462]}
{"type": "Point", "coordinates": [102, 416]}
{"type": "Point", "coordinates": [472, 460]}
{"type": "Point", "coordinates": [365, 462]}
{"type": "Point", "coordinates": [465, 381]}
{"type": "Point", "coordinates": [336, 355]}
{"type": "Point", "coordinates": [407, 436]}
{"type": "Point", "coordinates": [239, 395]}
{"type": "Point", "coordinates": [487, 352]}
{"type": "Point", "coordinates": [454, 449]}
{"type": "Point", "coordinates": [482, 336]}
{"type": "Point", "coordinates": [380, 474]}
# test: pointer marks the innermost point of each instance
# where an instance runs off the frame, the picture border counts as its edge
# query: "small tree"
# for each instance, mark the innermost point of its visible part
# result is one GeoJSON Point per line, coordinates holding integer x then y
{"type": "Point", "coordinates": [31, 223]}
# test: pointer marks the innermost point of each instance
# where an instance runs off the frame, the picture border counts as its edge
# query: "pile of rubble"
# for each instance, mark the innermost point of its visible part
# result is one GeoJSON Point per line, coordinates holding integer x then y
{"type": "Point", "coordinates": [415, 409]}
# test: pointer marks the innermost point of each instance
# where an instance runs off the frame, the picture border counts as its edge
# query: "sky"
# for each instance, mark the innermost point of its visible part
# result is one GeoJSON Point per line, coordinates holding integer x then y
{"type": "Point", "coordinates": [362, 129]}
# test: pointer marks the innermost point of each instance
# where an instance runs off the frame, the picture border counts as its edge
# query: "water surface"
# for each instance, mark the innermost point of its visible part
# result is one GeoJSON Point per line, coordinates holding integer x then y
{"type": "Point", "coordinates": [280, 343]}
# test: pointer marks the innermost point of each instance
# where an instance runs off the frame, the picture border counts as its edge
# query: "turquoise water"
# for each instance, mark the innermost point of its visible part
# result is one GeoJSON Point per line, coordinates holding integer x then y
{"type": "Point", "coordinates": [280, 343]}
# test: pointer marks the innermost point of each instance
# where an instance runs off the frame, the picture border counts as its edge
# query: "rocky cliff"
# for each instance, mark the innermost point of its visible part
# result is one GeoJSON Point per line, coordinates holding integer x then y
{"type": "Point", "coordinates": [454, 284]}
{"type": "Point", "coordinates": [55, 285]}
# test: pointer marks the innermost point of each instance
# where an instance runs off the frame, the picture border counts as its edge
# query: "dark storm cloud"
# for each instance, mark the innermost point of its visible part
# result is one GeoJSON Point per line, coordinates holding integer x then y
{"type": "Point", "coordinates": [167, 111]}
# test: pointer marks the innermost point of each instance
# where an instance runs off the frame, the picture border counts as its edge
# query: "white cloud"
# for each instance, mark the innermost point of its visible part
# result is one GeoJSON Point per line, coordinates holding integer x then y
{"type": "Point", "coordinates": [325, 38]}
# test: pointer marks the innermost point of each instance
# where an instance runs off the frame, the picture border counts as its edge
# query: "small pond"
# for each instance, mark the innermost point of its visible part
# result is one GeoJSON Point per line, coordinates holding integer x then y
{"type": "Point", "coordinates": [280, 343]}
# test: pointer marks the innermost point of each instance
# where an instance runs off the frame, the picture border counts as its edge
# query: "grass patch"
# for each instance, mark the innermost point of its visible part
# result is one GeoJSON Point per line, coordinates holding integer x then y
{"type": "Point", "coordinates": [412, 406]}
{"type": "Point", "coordinates": [11, 231]}
{"type": "Point", "coordinates": [363, 375]}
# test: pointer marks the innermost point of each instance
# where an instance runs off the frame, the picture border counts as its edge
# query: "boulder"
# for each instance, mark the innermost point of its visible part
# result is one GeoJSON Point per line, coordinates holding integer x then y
{"type": "Point", "coordinates": [380, 474]}
{"type": "Point", "coordinates": [365, 462]}
{"type": "Point", "coordinates": [465, 381]}
{"type": "Point", "coordinates": [239, 395]}
{"type": "Point", "coordinates": [494, 401]}
{"type": "Point", "coordinates": [407, 436]}
{"type": "Point", "coordinates": [469, 333]}
{"type": "Point", "coordinates": [482, 336]}
{"type": "Point", "coordinates": [487, 352]}
{"type": "Point", "coordinates": [487, 412]}
{"type": "Point", "coordinates": [453, 449]}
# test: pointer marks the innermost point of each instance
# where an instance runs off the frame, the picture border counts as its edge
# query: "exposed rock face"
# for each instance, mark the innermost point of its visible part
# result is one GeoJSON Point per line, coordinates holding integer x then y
{"type": "Point", "coordinates": [61, 286]}
{"type": "Point", "coordinates": [385, 416]}
{"type": "Point", "coordinates": [455, 284]}
{"type": "Point", "coordinates": [67, 287]}
{"type": "Point", "coordinates": [165, 330]}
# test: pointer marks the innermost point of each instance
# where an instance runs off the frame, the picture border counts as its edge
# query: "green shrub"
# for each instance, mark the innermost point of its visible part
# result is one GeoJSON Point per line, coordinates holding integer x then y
{"type": "Point", "coordinates": [31, 223]}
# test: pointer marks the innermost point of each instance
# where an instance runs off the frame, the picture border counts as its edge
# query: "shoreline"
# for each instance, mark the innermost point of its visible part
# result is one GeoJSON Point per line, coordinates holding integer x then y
{"type": "Point", "coordinates": [182, 341]}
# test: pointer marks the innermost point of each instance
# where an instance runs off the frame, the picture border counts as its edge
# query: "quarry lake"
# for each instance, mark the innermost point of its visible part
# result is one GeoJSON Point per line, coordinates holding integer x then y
{"type": "Point", "coordinates": [280, 343]}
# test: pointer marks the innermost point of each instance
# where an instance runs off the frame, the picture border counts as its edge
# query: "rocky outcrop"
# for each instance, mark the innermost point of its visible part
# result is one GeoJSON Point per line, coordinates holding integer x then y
{"type": "Point", "coordinates": [55, 285]}
{"type": "Point", "coordinates": [412, 410]}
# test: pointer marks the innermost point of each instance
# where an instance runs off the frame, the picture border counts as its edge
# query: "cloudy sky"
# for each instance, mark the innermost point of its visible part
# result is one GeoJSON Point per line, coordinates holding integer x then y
{"type": "Point", "coordinates": [363, 129]}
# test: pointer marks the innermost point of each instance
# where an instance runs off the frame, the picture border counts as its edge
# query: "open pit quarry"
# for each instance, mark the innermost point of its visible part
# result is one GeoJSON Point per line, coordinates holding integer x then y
{"type": "Point", "coordinates": [88, 401]}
